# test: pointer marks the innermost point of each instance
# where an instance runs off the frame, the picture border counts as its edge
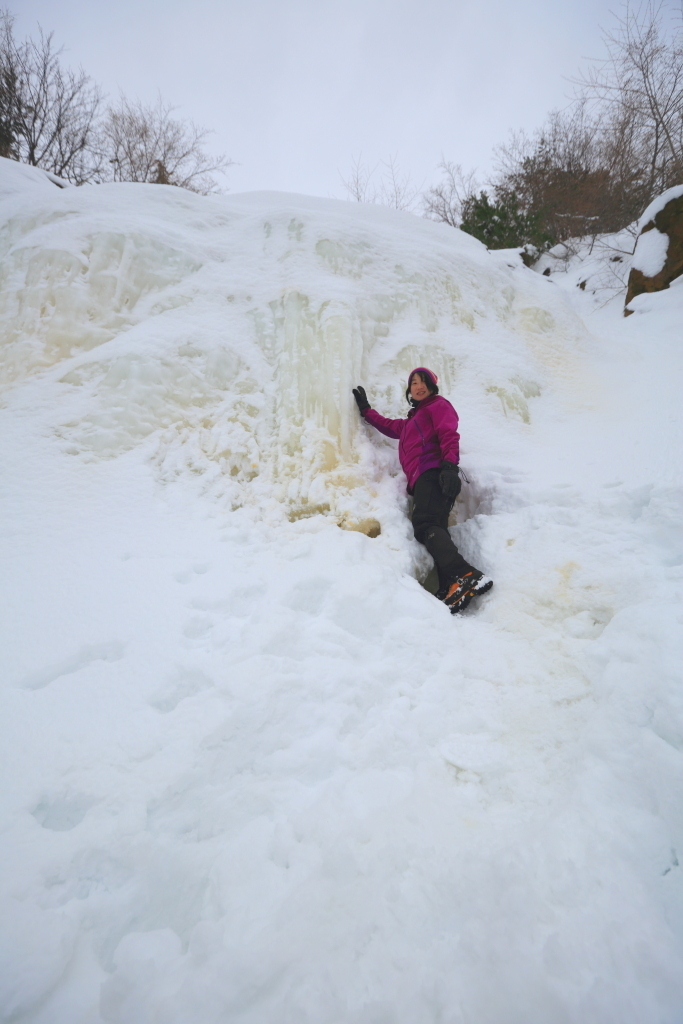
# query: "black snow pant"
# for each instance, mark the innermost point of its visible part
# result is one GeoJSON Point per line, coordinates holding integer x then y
{"type": "Point", "coordinates": [430, 525]}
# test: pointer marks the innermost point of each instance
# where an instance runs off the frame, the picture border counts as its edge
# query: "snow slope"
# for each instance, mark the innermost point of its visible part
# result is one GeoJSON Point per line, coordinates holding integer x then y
{"type": "Point", "coordinates": [253, 771]}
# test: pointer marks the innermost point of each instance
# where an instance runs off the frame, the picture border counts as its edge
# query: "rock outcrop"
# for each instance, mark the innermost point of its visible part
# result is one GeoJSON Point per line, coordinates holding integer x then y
{"type": "Point", "coordinates": [658, 258]}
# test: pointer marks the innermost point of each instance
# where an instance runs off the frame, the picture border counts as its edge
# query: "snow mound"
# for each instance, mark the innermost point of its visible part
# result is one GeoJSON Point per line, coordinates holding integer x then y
{"type": "Point", "coordinates": [22, 180]}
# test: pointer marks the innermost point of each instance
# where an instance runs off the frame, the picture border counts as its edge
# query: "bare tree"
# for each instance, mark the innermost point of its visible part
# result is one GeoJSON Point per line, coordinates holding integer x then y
{"type": "Point", "coordinates": [47, 113]}
{"type": "Point", "coordinates": [396, 189]}
{"type": "Point", "coordinates": [571, 175]}
{"type": "Point", "coordinates": [392, 188]}
{"type": "Point", "coordinates": [145, 143]}
{"type": "Point", "coordinates": [9, 112]}
{"type": "Point", "coordinates": [50, 117]}
{"type": "Point", "coordinates": [593, 167]}
{"type": "Point", "coordinates": [638, 88]}
{"type": "Point", "coordinates": [445, 201]}
{"type": "Point", "coordinates": [358, 184]}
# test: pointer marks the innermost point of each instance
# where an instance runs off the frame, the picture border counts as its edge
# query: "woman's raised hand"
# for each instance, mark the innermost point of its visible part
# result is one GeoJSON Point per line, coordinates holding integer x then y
{"type": "Point", "coordinates": [361, 398]}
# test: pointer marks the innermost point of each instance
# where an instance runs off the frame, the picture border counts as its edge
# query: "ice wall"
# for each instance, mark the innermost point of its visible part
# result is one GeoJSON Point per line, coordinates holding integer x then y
{"type": "Point", "coordinates": [226, 333]}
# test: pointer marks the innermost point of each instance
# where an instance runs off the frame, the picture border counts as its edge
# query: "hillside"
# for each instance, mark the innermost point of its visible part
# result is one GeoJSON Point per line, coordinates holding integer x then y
{"type": "Point", "coordinates": [253, 771]}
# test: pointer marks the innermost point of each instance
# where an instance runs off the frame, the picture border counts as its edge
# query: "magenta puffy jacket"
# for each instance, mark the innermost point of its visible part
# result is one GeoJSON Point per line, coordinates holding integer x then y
{"type": "Point", "coordinates": [425, 439]}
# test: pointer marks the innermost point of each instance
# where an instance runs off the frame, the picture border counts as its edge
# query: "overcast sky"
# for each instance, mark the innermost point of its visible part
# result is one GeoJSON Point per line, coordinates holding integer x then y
{"type": "Point", "coordinates": [295, 90]}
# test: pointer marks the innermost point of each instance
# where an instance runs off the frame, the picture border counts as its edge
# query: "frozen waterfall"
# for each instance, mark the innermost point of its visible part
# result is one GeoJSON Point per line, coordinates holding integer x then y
{"type": "Point", "coordinates": [252, 771]}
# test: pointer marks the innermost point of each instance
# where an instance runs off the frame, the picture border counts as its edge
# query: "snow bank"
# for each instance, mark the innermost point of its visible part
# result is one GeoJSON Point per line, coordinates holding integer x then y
{"type": "Point", "coordinates": [22, 180]}
{"type": "Point", "coordinates": [598, 267]}
{"type": "Point", "coordinates": [253, 770]}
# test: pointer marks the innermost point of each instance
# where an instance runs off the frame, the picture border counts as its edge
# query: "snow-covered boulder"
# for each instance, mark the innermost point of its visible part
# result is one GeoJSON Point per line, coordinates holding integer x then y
{"type": "Point", "coordinates": [658, 259]}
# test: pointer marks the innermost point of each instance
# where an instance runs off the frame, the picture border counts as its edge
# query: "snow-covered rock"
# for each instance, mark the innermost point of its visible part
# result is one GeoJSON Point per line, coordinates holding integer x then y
{"type": "Point", "coordinates": [658, 257]}
{"type": "Point", "coordinates": [254, 772]}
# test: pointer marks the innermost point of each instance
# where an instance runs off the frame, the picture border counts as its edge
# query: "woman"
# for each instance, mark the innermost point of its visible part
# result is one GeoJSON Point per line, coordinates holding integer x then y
{"type": "Point", "coordinates": [429, 452]}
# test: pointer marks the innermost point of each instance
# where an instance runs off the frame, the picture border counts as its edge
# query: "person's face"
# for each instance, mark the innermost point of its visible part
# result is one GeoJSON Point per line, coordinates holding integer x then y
{"type": "Point", "coordinates": [418, 388]}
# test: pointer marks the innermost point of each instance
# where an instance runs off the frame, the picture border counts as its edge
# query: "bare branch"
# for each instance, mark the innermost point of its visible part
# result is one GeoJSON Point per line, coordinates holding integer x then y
{"type": "Point", "coordinates": [357, 184]}
{"type": "Point", "coordinates": [445, 202]}
{"type": "Point", "coordinates": [640, 85]}
{"type": "Point", "coordinates": [396, 189]}
{"type": "Point", "coordinates": [593, 167]}
{"type": "Point", "coordinates": [393, 189]}
{"type": "Point", "coordinates": [145, 143]}
{"type": "Point", "coordinates": [48, 113]}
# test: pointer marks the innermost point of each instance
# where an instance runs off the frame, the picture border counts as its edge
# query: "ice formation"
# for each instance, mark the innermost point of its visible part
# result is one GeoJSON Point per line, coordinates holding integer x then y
{"type": "Point", "coordinates": [231, 331]}
{"type": "Point", "coordinates": [254, 772]}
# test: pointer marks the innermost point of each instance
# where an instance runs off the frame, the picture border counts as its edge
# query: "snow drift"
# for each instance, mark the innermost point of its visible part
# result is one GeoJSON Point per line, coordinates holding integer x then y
{"type": "Point", "coordinates": [255, 772]}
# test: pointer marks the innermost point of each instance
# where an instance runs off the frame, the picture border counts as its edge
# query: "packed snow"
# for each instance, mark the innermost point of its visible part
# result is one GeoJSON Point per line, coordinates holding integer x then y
{"type": "Point", "coordinates": [650, 254]}
{"type": "Point", "coordinates": [253, 771]}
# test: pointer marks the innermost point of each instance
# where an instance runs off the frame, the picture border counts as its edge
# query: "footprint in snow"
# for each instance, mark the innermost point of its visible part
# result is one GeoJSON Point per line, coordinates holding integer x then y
{"type": "Point", "coordinates": [111, 651]}
{"type": "Point", "coordinates": [185, 575]}
{"type": "Point", "coordinates": [186, 683]}
{"type": "Point", "coordinates": [63, 813]}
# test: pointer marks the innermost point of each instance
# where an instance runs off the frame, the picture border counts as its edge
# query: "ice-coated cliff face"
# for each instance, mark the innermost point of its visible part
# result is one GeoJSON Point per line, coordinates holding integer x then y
{"type": "Point", "coordinates": [251, 770]}
{"type": "Point", "coordinates": [226, 333]}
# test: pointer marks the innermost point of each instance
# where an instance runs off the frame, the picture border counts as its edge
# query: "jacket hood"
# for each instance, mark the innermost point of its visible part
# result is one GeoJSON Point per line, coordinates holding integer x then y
{"type": "Point", "coordinates": [423, 369]}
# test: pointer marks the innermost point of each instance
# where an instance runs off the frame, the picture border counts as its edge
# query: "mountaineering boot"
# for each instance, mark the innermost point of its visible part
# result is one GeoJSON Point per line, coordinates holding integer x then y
{"type": "Point", "coordinates": [449, 582]}
{"type": "Point", "coordinates": [460, 592]}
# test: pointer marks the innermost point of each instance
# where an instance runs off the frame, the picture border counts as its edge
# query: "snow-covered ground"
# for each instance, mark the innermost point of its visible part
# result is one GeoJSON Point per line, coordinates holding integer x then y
{"type": "Point", "coordinates": [252, 771]}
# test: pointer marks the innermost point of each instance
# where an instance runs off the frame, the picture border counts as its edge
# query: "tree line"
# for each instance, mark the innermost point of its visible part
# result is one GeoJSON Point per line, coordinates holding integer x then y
{"type": "Point", "coordinates": [590, 170]}
{"type": "Point", "coordinates": [56, 118]}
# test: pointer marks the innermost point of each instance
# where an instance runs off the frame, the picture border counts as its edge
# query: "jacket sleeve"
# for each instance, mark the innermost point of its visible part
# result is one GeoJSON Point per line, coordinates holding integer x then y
{"type": "Point", "coordinates": [445, 421]}
{"type": "Point", "coordinates": [392, 428]}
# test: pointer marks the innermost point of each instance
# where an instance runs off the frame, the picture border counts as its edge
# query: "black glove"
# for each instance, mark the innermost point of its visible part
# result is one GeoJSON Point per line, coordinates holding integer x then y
{"type": "Point", "coordinates": [361, 398]}
{"type": "Point", "coordinates": [449, 479]}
